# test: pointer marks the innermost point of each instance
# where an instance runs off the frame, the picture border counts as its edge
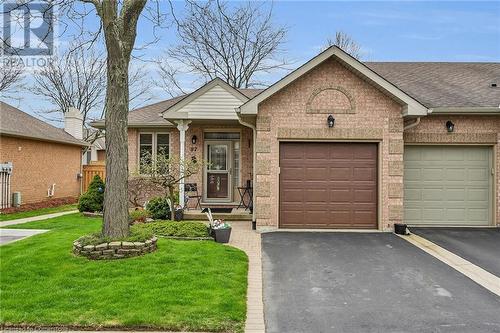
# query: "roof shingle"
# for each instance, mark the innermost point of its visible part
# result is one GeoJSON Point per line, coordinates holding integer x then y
{"type": "Point", "coordinates": [15, 122]}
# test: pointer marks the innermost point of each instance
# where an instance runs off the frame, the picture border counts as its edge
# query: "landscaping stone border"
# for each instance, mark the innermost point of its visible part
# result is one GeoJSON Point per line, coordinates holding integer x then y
{"type": "Point", "coordinates": [114, 250]}
{"type": "Point", "coordinates": [92, 214]}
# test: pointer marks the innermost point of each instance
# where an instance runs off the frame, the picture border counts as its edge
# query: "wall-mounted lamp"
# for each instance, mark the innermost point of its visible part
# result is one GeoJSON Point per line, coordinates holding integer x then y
{"type": "Point", "coordinates": [194, 139]}
{"type": "Point", "coordinates": [450, 127]}
{"type": "Point", "coordinates": [331, 121]}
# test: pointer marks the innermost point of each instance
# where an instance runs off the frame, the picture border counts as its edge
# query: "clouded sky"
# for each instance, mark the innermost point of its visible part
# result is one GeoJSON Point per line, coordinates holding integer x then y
{"type": "Point", "coordinates": [387, 31]}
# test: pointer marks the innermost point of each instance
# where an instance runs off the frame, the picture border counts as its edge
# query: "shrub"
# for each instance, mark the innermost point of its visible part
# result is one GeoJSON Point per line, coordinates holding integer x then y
{"type": "Point", "coordinates": [158, 208]}
{"type": "Point", "coordinates": [136, 235]}
{"type": "Point", "coordinates": [139, 215]}
{"type": "Point", "coordinates": [175, 229]}
{"type": "Point", "coordinates": [93, 199]}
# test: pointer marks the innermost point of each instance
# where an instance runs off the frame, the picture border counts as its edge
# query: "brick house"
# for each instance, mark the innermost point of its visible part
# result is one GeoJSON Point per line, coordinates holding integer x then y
{"type": "Point", "coordinates": [339, 143]}
{"type": "Point", "coordinates": [46, 161]}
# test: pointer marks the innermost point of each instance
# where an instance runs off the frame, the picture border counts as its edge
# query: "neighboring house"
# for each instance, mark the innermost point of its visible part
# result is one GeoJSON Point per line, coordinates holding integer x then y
{"type": "Point", "coordinates": [342, 144]}
{"type": "Point", "coordinates": [96, 152]}
{"type": "Point", "coordinates": [46, 161]}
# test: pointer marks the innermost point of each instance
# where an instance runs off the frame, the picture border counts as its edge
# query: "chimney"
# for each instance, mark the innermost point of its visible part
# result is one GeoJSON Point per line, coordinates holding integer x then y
{"type": "Point", "coordinates": [73, 123]}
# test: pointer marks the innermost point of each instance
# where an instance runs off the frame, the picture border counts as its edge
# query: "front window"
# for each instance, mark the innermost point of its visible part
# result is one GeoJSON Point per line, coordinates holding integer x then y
{"type": "Point", "coordinates": [151, 145]}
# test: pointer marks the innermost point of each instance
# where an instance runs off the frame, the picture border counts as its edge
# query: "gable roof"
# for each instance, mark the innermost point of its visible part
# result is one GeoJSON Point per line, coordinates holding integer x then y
{"type": "Point", "coordinates": [150, 115]}
{"type": "Point", "coordinates": [233, 99]}
{"type": "Point", "coordinates": [445, 84]}
{"type": "Point", "coordinates": [14, 122]}
{"type": "Point", "coordinates": [413, 107]}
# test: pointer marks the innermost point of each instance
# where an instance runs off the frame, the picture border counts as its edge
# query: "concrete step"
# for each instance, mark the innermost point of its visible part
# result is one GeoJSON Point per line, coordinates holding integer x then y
{"type": "Point", "coordinates": [225, 216]}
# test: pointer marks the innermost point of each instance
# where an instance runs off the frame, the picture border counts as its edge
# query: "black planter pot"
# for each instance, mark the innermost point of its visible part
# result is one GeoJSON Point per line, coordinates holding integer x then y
{"type": "Point", "coordinates": [401, 229]}
{"type": "Point", "coordinates": [179, 214]}
{"type": "Point", "coordinates": [222, 235]}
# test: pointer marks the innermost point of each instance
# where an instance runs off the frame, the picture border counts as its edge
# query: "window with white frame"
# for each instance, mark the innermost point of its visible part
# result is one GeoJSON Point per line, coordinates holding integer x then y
{"type": "Point", "coordinates": [151, 145]}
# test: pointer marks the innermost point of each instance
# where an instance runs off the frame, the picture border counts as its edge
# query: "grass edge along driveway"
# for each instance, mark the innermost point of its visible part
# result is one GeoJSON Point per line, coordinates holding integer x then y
{"type": "Point", "coordinates": [184, 285]}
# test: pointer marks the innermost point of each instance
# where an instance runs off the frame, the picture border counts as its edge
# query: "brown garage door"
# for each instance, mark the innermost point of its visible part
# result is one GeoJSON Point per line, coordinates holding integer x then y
{"type": "Point", "coordinates": [328, 185]}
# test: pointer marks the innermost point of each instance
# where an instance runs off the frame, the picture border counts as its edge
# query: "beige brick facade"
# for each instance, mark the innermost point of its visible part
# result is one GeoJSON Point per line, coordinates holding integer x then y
{"type": "Point", "coordinates": [374, 117]}
{"type": "Point", "coordinates": [39, 164]}
{"type": "Point", "coordinates": [197, 150]}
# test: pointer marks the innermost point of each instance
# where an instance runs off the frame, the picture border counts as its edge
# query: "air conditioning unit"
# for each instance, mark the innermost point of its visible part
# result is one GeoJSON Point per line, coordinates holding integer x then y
{"type": "Point", "coordinates": [16, 199]}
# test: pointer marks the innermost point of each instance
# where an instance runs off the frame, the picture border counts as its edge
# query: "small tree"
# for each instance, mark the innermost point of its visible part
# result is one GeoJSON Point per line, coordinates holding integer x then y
{"type": "Point", "coordinates": [168, 172]}
{"type": "Point", "coordinates": [93, 199]}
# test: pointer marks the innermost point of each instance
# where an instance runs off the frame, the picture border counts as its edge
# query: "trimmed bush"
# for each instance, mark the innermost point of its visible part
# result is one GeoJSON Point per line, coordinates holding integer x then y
{"type": "Point", "coordinates": [158, 208]}
{"type": "Point", "coordinates": [139, 215]}
{"type": "Point", "coordinates": [175, 229]}
{"type": "Point", "coordinates": [93, 199]}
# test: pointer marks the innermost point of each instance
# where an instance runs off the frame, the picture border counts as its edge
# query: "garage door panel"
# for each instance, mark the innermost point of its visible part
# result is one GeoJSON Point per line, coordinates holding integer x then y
{"type": "Point", "coordinates": [336, 187]}
{"type": "Point", "coordinates": [447, 185]}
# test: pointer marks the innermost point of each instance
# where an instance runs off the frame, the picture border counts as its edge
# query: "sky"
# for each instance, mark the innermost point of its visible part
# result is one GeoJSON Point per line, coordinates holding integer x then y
{"type": "Point", "coordinates": [387, 31]}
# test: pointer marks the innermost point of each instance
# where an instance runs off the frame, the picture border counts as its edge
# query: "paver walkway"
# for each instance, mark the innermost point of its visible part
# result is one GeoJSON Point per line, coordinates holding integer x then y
{"type": "Point", "coordinates": [244, 238]}
{"type": "Point", "coordinates": [35, 218]}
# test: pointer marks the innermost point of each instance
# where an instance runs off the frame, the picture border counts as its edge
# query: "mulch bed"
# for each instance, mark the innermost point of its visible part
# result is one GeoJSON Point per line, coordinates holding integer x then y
{"type": "Point", "coordinates": [42, 204]}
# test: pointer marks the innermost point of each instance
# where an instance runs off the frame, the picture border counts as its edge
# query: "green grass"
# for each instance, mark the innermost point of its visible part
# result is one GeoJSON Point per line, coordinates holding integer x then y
{"type": "Point", "coordinates": [184, 285]}
{"type": "Point", "coordinates": [37, 212]}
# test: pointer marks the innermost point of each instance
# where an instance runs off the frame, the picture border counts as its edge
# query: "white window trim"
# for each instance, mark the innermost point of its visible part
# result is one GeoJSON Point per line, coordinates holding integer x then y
{"type": "Point", "coordinates": [154, 140]}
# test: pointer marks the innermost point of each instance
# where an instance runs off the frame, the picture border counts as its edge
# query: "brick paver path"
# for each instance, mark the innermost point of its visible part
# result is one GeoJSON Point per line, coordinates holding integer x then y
{"type": "Point", "coordinates": [244, 238]}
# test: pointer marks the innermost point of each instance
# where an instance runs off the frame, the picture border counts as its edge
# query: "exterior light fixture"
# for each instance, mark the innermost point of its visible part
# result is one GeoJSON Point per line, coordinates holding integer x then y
{"type": "Point", "coordinates": [331, 121]}
{"type": "Point", "coordinates": [450, 127]}
{"type": "Point", "coordinates": [194, 139]}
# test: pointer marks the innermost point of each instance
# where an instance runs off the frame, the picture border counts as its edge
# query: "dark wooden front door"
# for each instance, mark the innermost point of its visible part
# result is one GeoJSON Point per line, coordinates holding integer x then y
{"type": "Point", "coordinates": [328, 185]}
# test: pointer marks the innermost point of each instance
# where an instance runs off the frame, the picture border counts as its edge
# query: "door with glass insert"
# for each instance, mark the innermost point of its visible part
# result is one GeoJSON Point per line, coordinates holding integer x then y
{"type": "Point", "coordinates": [218, 171]}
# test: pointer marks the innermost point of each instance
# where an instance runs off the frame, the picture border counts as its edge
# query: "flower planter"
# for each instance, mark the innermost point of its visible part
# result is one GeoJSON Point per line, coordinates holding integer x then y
{"type": "Point", "coordinates": [222, 235]}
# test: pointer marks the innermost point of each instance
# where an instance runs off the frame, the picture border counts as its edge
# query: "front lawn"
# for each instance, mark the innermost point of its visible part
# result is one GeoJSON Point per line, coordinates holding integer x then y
{"type": "Point", "coordinates": [184, 285]}
{"type": "Point", "coordinates": [37, 212]}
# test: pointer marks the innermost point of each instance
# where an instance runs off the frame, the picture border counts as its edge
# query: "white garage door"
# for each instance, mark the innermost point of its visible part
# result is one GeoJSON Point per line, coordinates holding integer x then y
{"type": "Point", "coordinates": [447, 185]}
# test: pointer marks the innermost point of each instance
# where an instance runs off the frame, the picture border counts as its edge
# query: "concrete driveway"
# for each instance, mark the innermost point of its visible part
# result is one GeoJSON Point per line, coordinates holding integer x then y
{"type": "Point", "coordinates": [367, 282]}
{"type": "Point", "coordinates": [480, 246]}
{"type": "Point", "coordinates": [12, 235]}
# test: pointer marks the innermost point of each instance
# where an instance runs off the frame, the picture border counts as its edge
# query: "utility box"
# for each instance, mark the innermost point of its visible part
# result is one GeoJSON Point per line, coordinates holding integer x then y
{"type": "Point", "coordinates": [16, 199]}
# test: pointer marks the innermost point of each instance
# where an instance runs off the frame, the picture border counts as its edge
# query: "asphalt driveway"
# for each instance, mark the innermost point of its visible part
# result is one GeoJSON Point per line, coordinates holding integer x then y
{"type": "Point", "coordinates": [367, 282]}
{"type": "Point", "coordinates": [480, 246]}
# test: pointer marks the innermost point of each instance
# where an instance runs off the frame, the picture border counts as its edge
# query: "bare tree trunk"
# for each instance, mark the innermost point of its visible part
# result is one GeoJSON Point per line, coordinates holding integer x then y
{"type": "Point", "coordinates": [116, 222]}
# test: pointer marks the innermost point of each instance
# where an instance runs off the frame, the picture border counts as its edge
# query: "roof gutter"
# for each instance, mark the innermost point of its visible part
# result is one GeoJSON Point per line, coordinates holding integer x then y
{"type": "Point", "coordinates": [34, 137]}
{"type": "Point", "coordinates": [476, 110]}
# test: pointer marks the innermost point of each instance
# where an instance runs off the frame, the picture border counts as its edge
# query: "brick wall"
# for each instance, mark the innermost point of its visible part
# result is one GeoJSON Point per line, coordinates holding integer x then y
{"type": "Point", "coordinates": [38, 164]}
{"type": "Point", "coordinates": [196, 150]}
{"type": "Point", "coordinates": [294, 114]}
{"type": "Point", "coordinates": [483, 130]}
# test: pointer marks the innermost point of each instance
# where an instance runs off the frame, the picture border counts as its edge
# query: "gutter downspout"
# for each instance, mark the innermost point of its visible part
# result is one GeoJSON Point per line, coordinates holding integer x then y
{"type": "Point", "coordinates": [415, 123]}
{"type": "Point", "coordinates": [254, 158]}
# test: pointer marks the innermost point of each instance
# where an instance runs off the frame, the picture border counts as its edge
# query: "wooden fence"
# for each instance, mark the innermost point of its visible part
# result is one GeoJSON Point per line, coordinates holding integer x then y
{"type": "Point", "coordinates": [89, 171]}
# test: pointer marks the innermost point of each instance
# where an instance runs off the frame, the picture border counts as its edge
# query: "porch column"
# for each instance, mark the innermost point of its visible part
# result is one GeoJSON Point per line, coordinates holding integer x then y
{"type": "Point", "coordinates": [182, 126]}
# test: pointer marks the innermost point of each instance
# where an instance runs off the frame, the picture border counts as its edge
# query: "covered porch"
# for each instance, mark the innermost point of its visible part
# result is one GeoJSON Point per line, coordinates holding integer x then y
{"type": "Point", "coordinates": [210, 132]}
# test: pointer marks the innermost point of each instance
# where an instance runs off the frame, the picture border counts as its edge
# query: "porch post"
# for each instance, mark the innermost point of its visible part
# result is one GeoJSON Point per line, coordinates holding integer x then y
{"type": "Point", "coordinates": [182, 126]}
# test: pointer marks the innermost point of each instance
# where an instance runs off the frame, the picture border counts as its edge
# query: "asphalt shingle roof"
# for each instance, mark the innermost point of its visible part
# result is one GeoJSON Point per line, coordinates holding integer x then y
{"type": "Point", "coordinates": [433, 84]}
{"type": "Point", "coordinates": [15, 122]}
{"type": "Point", "coordinates": [444, 84]}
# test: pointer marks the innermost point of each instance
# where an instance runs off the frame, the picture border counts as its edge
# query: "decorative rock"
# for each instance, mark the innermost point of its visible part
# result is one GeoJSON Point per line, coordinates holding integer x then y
{"type": "Point", "coordinates": [128, 245]}
{"type": "Point", "coordinates": [112, 251]}
{"type": "Point", "coordinates": [89, 247]}
{"type": "Point", "coordinates": [102, 246]}
{"type": "Point", "coordinates": [148, 242]}
{"type": "Point", "coordinates": [139, 245]}
{"type": "Point", "coordinates": [115, 245]}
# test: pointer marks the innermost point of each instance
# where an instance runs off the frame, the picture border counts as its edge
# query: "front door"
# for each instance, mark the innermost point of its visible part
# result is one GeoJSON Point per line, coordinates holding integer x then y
{"type": "Point", "coordinates": [218, 171]}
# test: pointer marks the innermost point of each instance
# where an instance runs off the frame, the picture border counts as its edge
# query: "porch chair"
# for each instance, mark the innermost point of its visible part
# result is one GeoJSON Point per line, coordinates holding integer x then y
{"type": "Point", "coordinates": [191, 192]}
